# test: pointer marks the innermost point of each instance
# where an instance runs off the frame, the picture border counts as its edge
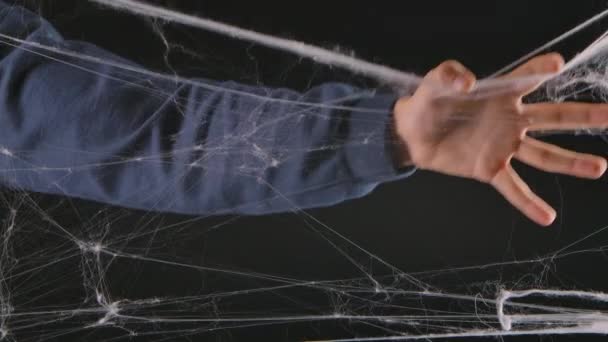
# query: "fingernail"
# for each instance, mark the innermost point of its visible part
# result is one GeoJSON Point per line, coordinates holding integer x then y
{"type": "Point", "coordinates": [592, 168]}
{"type": "Point", "coordinates": [460, 83]}
{"type": "Point", "coordinates": [546, 216]}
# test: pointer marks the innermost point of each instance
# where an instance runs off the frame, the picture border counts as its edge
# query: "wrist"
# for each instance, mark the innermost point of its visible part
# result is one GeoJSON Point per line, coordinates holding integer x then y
{"type": "Point", "coordinates": [401, 155]}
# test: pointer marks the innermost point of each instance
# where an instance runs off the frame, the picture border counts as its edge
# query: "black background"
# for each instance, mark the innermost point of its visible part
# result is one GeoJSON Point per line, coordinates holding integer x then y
{"type": "Point", "coordinates": [425, 222]}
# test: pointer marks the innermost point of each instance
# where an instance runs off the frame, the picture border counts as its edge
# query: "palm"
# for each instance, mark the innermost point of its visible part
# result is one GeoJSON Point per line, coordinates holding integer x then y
{"type": "Point", "coordinates": [476, 137]}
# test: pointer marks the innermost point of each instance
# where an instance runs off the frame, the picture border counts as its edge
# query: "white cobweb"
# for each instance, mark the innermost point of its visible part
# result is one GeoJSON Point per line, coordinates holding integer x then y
{"type": "Point", "coordinates": [103, 273]}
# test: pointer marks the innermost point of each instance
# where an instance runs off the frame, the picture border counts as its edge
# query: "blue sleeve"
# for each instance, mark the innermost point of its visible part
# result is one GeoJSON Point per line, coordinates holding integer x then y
{"type": "Point", "coordinates": [96, 131]}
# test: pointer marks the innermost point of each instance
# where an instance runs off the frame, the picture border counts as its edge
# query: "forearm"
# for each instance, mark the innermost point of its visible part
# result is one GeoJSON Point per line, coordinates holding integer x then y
{"type": "Point", "coordinates": [104, 135]}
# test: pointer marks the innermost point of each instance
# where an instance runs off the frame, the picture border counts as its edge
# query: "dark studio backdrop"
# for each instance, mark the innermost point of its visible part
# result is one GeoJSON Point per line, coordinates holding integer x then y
{"type": "Point", "coordinates": [425, 222]}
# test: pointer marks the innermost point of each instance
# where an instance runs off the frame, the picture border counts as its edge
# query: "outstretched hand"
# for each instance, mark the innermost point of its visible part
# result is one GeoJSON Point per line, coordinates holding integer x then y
{"type": "Point", "coordinates": [476, 137]}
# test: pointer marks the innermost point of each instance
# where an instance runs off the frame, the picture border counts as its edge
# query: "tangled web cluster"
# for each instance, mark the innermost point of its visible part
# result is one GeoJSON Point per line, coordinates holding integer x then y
{"type": "Point", "coordinates": [79, 272]}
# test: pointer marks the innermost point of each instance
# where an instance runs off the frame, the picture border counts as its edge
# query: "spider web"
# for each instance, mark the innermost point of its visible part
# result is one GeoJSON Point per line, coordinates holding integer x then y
{"type": "Point", "coordinates": [74, 268]}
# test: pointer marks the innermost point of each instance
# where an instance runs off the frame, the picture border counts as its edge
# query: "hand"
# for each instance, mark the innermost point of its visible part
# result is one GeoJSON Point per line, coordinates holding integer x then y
{"type": "Point", "coordinates": [447, 131]}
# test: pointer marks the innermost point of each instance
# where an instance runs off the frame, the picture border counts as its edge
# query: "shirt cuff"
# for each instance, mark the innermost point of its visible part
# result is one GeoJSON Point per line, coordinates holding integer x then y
{"type": "Point", "coordinates": [372, 146]}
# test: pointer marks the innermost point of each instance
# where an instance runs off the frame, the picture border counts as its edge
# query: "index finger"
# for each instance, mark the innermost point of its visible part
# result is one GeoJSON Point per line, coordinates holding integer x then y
{"type": "Point", "coordinates": [543, 65]}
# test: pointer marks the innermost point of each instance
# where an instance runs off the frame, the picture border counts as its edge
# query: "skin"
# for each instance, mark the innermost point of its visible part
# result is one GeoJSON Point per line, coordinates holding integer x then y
{"type": "Point", "coordinates": [477, 138]}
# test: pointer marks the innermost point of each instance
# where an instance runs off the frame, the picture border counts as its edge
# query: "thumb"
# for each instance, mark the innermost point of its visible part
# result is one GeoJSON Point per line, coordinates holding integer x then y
{"type": "Point", "coordinates": [453, 76]}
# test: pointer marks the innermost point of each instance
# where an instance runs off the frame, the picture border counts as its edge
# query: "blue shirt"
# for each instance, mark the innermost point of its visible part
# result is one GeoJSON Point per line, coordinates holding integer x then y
{"type": "Point", "coordinates": [96, 131]}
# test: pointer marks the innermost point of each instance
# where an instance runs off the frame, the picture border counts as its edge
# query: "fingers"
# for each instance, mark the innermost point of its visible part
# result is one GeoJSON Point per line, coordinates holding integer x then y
{"type": "Point", "coordinates": [515, 190]}
{"type": "Point", "coordinates": [534, 72]}
{"type": "Point", "coordinates": [567, 115]}
{"type": "Point", "coordinates": [543, 64]}
{"type": "Point", "coordinates": [452, 75]}
{"type": "Point", "coordinates": [551, 158]}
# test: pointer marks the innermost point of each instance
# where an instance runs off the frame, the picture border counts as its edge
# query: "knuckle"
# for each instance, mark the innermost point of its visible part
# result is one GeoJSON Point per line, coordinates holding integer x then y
{"type": "Point", "coordinates": [517, 144]}
{"type": "Point", "coordinates": [544, 156]}
{"type": "Point", "coordinates": [489, 172]}
{"type": "Point", "coordinates": [559, 115]}
{"type": "Point", "coordinates": [527, 202]}
{"type": "Point", "coordinates": [587, 116]}
{"type": "Point", "coordinates": [573, 164]}
{"type": "Point", "coordinates": [524, 122]}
